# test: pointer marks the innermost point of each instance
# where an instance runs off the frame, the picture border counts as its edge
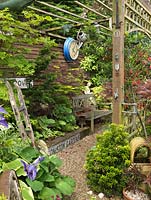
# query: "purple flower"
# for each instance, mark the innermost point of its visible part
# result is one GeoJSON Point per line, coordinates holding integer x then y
{"type": "Point", "coordinates": [31, 169]}
{"type": "Point", "coordinates": [2, 110]}
{"type": "Point", "coordinates": [2, 119]}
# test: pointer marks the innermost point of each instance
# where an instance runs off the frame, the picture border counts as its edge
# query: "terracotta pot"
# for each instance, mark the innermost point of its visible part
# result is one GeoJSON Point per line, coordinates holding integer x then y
{"type": "Point", "coordinates": [127, 197]}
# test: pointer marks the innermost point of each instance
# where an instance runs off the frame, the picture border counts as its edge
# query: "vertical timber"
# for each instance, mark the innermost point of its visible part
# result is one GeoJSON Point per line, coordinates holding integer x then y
{"type": "Point", "coordinates": [118, 60]}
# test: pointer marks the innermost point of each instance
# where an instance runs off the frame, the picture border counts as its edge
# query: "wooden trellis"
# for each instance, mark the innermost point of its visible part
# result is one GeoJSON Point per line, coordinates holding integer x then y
{"type": "Point", "coordinates": [138, 17]}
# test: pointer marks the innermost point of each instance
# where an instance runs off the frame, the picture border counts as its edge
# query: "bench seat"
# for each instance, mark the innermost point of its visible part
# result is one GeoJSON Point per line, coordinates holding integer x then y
{"type": "Point", "coordinates": [85, 109]}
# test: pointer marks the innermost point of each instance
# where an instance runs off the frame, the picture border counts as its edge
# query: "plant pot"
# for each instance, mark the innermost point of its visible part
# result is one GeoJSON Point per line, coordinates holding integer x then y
{"type": "Point", "coordinates": [133, 195]}
{"type": "Point", "coordinates": [135, 144]}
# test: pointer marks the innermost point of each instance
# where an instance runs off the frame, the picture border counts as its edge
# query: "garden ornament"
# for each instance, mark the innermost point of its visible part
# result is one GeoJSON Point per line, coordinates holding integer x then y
{"type": "Point", "coordinates": [81, 38]}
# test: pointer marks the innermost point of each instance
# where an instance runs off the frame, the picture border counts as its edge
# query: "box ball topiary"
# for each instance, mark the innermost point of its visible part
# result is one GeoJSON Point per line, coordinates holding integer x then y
{"type": "Point", "coordinates": [105, 163]}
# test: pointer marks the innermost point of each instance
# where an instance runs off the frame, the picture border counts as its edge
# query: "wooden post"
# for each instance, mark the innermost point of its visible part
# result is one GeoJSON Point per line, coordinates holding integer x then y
{"type": "Point", "coordinates": [118, 60]}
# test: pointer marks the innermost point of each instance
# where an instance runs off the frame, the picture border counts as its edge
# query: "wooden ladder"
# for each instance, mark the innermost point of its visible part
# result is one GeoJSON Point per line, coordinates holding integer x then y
{"type": "Point", "coordinates": [20, 112]}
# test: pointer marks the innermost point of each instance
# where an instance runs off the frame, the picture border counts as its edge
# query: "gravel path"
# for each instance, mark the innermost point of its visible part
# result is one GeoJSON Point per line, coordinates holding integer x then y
{"type": "Point", "coordinates": [73, 160]}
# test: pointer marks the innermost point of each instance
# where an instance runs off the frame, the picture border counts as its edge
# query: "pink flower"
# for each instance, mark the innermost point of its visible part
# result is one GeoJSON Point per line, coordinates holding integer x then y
{"type": "Point", "coordinates": [149, 58]}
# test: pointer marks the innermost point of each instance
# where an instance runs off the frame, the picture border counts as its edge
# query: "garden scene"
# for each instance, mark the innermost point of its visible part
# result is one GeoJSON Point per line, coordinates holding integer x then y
{"type": "Point", "coordinates": [75, 100]}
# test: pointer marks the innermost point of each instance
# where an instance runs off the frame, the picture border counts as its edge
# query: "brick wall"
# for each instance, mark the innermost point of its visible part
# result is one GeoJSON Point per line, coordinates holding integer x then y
{"type": "Point", "coordinates": [68, 73]}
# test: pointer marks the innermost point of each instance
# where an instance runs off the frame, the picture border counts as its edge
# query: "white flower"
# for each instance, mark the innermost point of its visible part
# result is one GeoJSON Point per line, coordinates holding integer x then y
{"type": "Point", "coordinates": [90, 192]}
{"type": "Point", "coordinates": [101, 195]}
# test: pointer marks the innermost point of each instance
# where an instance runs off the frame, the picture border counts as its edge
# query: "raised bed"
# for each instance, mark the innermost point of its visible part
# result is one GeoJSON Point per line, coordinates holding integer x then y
{"type": "Point", "coordinates": [61, 143]}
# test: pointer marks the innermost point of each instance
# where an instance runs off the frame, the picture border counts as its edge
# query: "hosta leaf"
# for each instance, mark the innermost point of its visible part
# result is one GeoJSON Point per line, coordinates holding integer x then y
{"type": "Point", "coordinates": [70, 181]}
{"type": "Point", "coordinates": [21, 172]}
{"type": "Point", "coordinates": [64, 187]}
{"type": "Point", "coordinates": [29, 153]}
{"type": "Point", "coordinates": [26, 191]}
{"type": "Point", "coordinates": [35, 185]}
{"type": "Point", "coordinates": [48, 193]}
{"type": "Point", "coordinates": [62, 123]}
{"type": "Point", "coordinates": [15, 165]}
{"type": "Point", "coordinates": [47, 178]}
{"type": "Point", "coordinates": [55, 160]}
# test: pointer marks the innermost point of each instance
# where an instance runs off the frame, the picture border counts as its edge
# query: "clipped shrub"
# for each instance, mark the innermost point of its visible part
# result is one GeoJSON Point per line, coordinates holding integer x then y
{"type": "Point", "coordinates": [105, 163]}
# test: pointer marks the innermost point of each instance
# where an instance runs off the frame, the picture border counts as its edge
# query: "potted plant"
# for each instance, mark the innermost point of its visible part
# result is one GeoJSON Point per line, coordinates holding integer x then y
{"type": "Point", "coordinates": [139, 173]}
{"type": "Point", "coordinates": [137, 184]}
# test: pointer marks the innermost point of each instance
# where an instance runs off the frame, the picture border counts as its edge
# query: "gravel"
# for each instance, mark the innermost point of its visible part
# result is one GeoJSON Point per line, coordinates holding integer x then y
{"type": "Point", "coordinates": [73, 158]}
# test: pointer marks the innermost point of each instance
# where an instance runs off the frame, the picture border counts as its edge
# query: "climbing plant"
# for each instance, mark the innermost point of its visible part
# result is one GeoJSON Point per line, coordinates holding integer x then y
{"type": "Point", "coordinates": [22, 28]}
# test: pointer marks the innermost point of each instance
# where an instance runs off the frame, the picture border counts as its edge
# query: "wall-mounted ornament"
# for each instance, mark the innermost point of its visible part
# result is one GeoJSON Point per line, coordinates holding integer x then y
{"type": "Point", "coordinates": [72, 46]}
{"type": "Point", "coordinates": [71, 49]}
{"type": "Point", "coordinates": [117, 67]}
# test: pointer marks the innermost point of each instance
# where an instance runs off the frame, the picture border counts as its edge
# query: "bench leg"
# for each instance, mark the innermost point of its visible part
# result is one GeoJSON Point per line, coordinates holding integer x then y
{"type": "Point", "coordinates": [92, 122]}
{"type": "Point", "coordinates": [82, 121]}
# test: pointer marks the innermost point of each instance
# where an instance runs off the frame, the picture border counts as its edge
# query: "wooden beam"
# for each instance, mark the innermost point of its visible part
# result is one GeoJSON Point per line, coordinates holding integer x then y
{"type": "Point", "coordinates": [54, 15]}
{"type": "Point", "coordinates": [118, 60]}
{"type": "Point", "coordinates": [62, 10]}
{"type": "Point", "coordinates": [77, 25]}
{"type": "Point", "coordinates": [56, 36]}
{"type": "Point", "coordinates": [90, 9]}
{"type": "Point", "coordinates": [100, 2]}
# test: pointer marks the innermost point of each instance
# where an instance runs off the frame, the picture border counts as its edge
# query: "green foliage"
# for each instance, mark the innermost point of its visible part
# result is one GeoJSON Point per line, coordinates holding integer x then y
{"type": "Point", "coordinates": [52, 103]}
{"type": "Point", "coordinates": [105, 163]}
{"type": "Point", "coordinates": [49, 182]}
{"type": "Point", "coordinates": [22, 28]}
{"type": "Point", "coordinates": [10, 142]}
{"type": "Point", "coordinates": [2, 197]}
{"type": "Point", "coordinates": [97, 51]}
{"type": "Point", "coordinates": [47, 128]}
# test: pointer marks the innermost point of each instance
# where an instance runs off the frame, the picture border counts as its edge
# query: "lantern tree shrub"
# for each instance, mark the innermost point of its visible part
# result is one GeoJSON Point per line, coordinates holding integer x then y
{"type": "Point", "coordinates": [52, 112]}
{"type": "Point", "coordinates": [105, 162]}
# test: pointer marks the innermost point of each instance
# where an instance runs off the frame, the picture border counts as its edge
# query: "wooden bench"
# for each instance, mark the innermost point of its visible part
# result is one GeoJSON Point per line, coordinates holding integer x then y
{"type": "Point", "coordinates": [85, 109]}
